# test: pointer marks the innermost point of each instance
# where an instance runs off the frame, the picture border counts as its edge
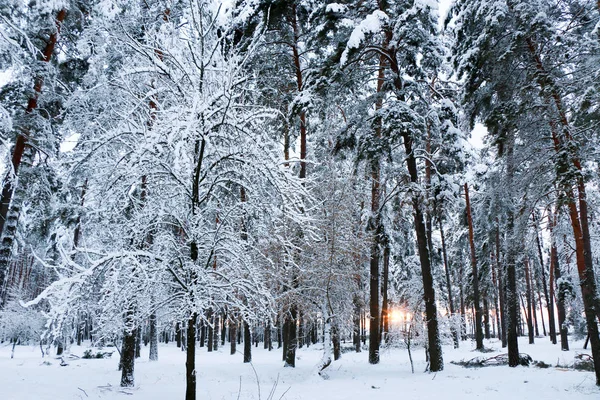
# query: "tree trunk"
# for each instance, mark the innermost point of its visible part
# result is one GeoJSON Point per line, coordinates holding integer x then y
{"type": "Point", "coordinates": [548, 297]}
{"type": "Point", "coordinates": [292, 338]}
{"type": "Point", "coordinates": [178, 334]}
{"type": "Point", "coordinates": [154, 338]}
{"type": "Point", "coordinates": [215, 337]}
{"type": "Point", "coordinates": [478, 330]}
{"type": "Point", "coordinates": [385, 318]}
{"type": "Point", "coordinates": [335, 339]}
{"type": "Point", "coordinates": [512, 298]}
{"type": "Point", "coordinates": [127, 360]}
{"type": "Point", "coordinates": [453, 328]}
{"type": "Point", "coordinates": [138, 342]}
{"type": "Point", "coordinates": [356, 318]}
{"type": "Point", "coordinates": [529, 303]}
{"type": "Point", "coordinates": [203, 330]}
{"type": "Point", "coordinates": [247, 343]}
{"type": "Point", "coordinates": [190, 361]}
{"type": "Point", "coordinates": [486, 317]}
{"type": "Point", "coordinates": [232, 337]}
{"type": "Point", "coordinates": [555, 275]}
{"type": "Point", "coordinates": [211, 332]}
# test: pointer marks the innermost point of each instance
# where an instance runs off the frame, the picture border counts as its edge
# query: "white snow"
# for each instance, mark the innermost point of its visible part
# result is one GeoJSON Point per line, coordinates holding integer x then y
{"type": "Point", "coordinates": [371, 24]}
{"type": "Point", "coordinates": [222, 376]}
{"type": "Point", "coordinates": [335, 8]}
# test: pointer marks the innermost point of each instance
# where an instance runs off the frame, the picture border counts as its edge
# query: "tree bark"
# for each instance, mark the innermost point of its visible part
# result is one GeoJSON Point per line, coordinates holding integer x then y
{"type": "Point", "coordinates": [555, 275]}
{"type": "Point", "coordinates": [547, 296]}
{"type": "Point", "coordinates": [154, 338]}
{"type": "Point", "coordinates": [453, 327]}
{"type": "Point", "coordinates": [190, 361]}
{"type": "Point", "coordinates": [476, 300]}
{"type": "Point", "coordinates": [292, 338]}
{"type": "Point", "coordinates": [530, 309]}
{"type": "Point", "coordinates": [385, 318]}
{"type": "Point", "coordinates": [512, 299]}
{"type": "Point", "coordinates": [247, 343]}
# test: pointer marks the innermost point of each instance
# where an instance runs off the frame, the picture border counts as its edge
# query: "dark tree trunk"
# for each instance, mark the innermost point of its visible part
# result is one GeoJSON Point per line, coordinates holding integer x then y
{"type": "Point", "coordinates": [501, 291]}
{"type": "Point", "coordinates": [292, 339]}
{"type": "Point", "coordinates": [190, 361]}
{"type": "Point", "coordinates": [232, 336]}
{"type": "Point", "coordinates": [247, 343]}
{"type": "Point", "coordinates": [215, 337]}
{"type": "Point", "coordinates": [486, 317]}
{"type": "Point", "coordinates": [463, 311]}
{"type": "Point", "coordinates": [223, 328]}
{"type": "Point", "coordinates": [128, 358]}
{"type": "Point", "coordinates": [211, 332]}
{"type": "Point", "coordinates": [385, 317]}
{"type": "Point", "coordinates": [269, 336]}
{"type": "Point", "coordinates": [356, 318]}
{"type": "Point", "coordinates": [279, 329]}
{"type": "Point", "coordinates": [453, 327]}
{"type": "Point", "coordinates": [478, 328]}
{"type": "Point", "coordinates": [178, 334]}
{"type": "Point", "coordinates": [284, 335]}
{"type": "Point", "coordinates": [203, 330]}
{"type": "Point", "coordinates": [335, 338]}
{"type": "Point", "coordinates": [374, 227]}
{"type": "Point", "coordinates": [548, 297]}
{"type": "Point", "coordinates": [300, 330]}
{"type": "Point", "coordinates": [138, 342]}
{"type": "Point", "coordinates": [555, 275]}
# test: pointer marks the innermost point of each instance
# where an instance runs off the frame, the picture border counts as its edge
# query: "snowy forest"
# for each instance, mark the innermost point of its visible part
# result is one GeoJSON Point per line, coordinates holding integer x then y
{"type": "Point", "coordinates": [280, 199]}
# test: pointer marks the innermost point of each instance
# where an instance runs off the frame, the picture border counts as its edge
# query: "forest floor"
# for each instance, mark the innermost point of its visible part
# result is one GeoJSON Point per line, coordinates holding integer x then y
{"type": "Point", "coordinates": [222, 376]}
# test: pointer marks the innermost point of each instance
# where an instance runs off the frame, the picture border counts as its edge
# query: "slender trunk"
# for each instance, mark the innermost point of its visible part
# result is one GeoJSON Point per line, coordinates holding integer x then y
{"type": "Point", "coordinates": [478, 330]}
{"type": "Point", "coordinates": [486, 317]}
{"type": "Point", "coordinates": [529, 303]}
{"type": "Point", "coordinates": [512, 298]}
{"type": "Point", "coordinates": [138, 342]}
{"type": "Point", "coordinates": [547, 296]}
{"type": "Point", "coordinates": [153, 338]}
{"type": "Point", "coordinates": [247, 343]}
{"type": "Point", "coordinates": [453, 328]}
{"type": "Point", "coordinates": [292, 338]}
{"type": "Point", "coordinates": [178, 334]}
{"type": "Point", "coordinates": [203, 330]}
{"type": "Point", "coordinates": [356, 319]}
{"type": "Point", "coordinates": [555, 277]}
{"type": "Point", "coordinates": [542, 312]}
{"type": "Point", "coordinates": [215, 337]}
{"type": "Point", "coordinates": [335, 339]}
{"type": "Point", "coordinates": [190, 361]}
{"type": "Point", "coordinates": [232, 336]}
{"type": "Point", "coordinates": [501, 291]}
{"type": "Point", "coordinates": [385, 318]}
{"type": "Point", "coordinates": [463, 312]}
{"type": "Point", "coordinates": [211, 332]}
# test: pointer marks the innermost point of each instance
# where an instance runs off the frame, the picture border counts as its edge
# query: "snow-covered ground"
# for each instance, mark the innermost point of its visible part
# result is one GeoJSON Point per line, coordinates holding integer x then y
{"type": "Point", "coordinates": [222, 376]}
